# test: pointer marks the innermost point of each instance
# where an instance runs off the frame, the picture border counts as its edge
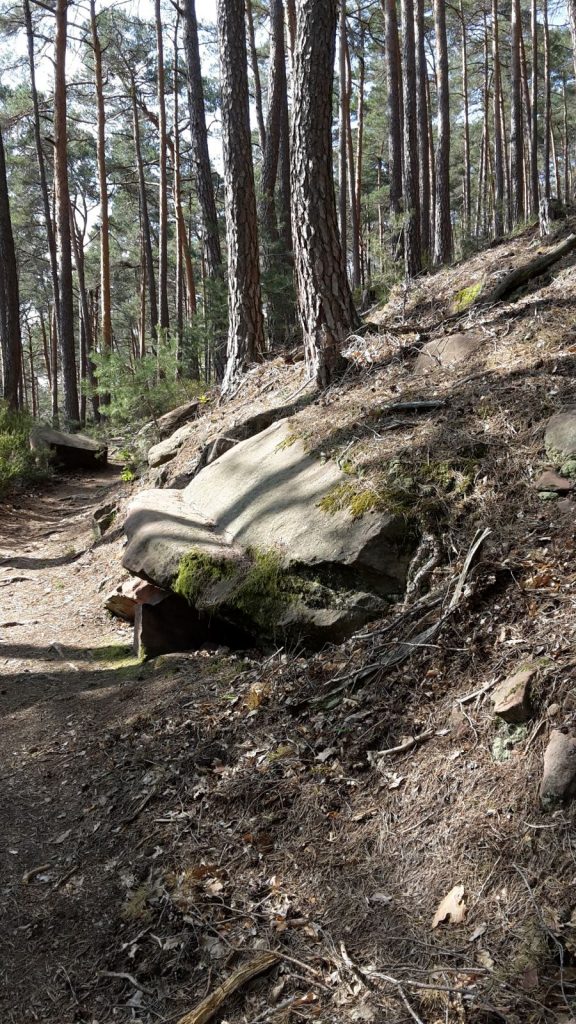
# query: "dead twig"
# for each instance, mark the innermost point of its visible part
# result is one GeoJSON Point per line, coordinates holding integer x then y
{"type": "Point", "coordinates": [209, 1006]}
{"type": "Point", "coordinates": [124, 976]}
{"type": "Point", "coordinates": [413, 741]}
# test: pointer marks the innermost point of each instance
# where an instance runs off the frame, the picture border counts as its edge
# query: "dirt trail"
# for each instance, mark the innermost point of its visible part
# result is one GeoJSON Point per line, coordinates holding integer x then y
{"type": "Point", "coordinates": [59, 688]}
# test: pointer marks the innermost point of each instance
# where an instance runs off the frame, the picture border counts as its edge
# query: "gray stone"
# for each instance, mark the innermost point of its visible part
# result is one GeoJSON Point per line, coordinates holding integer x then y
{"type": "Point", "coordinates": [559, 775]}
{"type": "Point", "coordinates": [560, 437]}
{"type": "Point", "coordinates": [449, 351]}
{"type": "Point", "coordinates": [69, 451]}
{"type": "Point", "coordinates": [512, 696]}
{"type": "Point", "coordinates": [168, 449]}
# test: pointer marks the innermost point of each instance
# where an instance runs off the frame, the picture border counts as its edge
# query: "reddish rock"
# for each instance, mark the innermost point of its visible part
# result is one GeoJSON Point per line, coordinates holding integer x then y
{"type": "Point", "coordinates": [123, 601]}
{"type": "Point", "coordinates": [551, 481]}
{"type": "Point", "coordinates": [512, 696]}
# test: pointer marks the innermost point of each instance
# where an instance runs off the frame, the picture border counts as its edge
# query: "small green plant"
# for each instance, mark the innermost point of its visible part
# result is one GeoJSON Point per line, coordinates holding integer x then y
{"type": "Point", "coordinates": [348, 498]}
{"type": "Point", "coordinates": [127, 475]}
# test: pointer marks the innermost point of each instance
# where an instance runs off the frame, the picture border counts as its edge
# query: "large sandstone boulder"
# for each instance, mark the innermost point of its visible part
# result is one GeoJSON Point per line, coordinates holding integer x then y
{"type": "Point", "coordinates": [176, 418]}
{"type": "Point", "coordinates": [560, 441]}
{"type": "Point", "coordinates": [69, 451]}
{"type": "Point", "coordinates": [251, 540]}
{"type": "Point", "coordinates": [449, 351]}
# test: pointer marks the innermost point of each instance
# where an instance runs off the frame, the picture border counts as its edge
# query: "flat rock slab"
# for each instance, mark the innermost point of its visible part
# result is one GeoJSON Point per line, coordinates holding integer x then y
{"type": "Point", "coordinates": [265, 493]}
{"type": "Point", "coordinates": [168, 449]}
{"type": "Point", "coordinates": [560, 437]}
{"type": "Point", "coordinates": [512, 696]}
{"type": "Point", "coordinates": [449, 351]}
{"type": "Point", "coordinates": [70, 451]}
{"type": "Point", "coordinates": [559, 776]}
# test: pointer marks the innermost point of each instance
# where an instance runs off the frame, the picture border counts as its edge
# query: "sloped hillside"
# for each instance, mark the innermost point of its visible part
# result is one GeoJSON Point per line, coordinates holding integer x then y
{"type": "Point", "coordinates": [368, 814]}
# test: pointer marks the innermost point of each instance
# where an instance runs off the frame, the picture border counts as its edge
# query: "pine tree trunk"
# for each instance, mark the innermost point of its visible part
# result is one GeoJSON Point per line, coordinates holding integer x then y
{"type": "Point", "coordinates": [324, 299]}
{"type": "Point", "coordinates": [199, 137]}
{"type": "Point", "coordinates": [164, 318]}
{"type": "Point", "coordinates": [534, 182]}
{"type": "Point", "coordinates": [62, 198]}
{"type": "Point", "coordinates": [276, 93]}
{"type": "Point", "coordinates": [105, 290]}
{"type": "Point", "coordinates": [466, 206]}
{"type": "Point", "coordinates": [10, 335]}
{"type": "Point", "coordinates": [394, 93]}
{"type": "Point", "coordinates": [571, 5]}
{"type": "Point", "coordinates": [50, 236]}
{"type": "Point", "coordinates": [245, 320]}
{"type": "Point", "coordinates": [423, 133]}
{"type": "Point", "coordinates": [87, 341]}
{"type": "Point", "coordinates": [412, 245]}
{"type": "Point", "coordinates": [443, 225]}
{"type": "Point", "coordinates": [516, 123]}
{"type": "Point", "coordinates": [344, 120]}
{"type": "Point", "coordinates": [145, 218]}
{"type": "Point", "coordinates": [547, 100]}
{"type": "Point", "coordinates": [255, 74]}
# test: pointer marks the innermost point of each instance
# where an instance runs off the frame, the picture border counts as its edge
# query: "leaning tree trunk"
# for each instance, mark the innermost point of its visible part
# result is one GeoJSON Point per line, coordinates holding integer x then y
{"type": "Point", "coordinates": [324, 298]}
{"type": "Point", "coordinates": [62, 197]}
{"type": "Point", "coordinates": [245, 320]}
{"type": "Point", "coordinates": [10, 335]}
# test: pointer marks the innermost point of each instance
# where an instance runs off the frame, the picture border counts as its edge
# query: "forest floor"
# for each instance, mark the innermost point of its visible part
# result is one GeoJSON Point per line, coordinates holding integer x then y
{"type": "Point", "coordinates": [168, 823]}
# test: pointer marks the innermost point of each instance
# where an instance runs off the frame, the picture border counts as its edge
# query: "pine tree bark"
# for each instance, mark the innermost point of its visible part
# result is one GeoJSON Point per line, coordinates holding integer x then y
{"type": "Point", "coordinates": [534, 182]}
{"type": "Point", "coordinates": [423, 133]}
{"type": "Point", "coordinates": [412, 242]}
{"type": "Point", "coordinates": [245, 320]}
{"type": "Point", "coordinates": [443, 225]}
{"type": "Point", "coordinates": [105, 289]}
{"type": "Point", "coordinates": [343, 122]}
{"type": "Point", "coordinates": [46, 206]}
{"type": "Point", "coordinates": [571, 5]}
{"type": "Point", "coordinates": [62, 200]}
{"type": "Point", "coordinates": [498, 153]}
{"type": "Point", "coordinates": [199, 136]}
{"type": "Point", "coordinates": [10, 335]}
{"type": "Point", "coordinates": [467, 204]}
{"type": "Point", "coordinates": [144, 217]}
{"type": "Point", "coordinates": [394, 104]}
{"type": "Point", "coordinates": [547, 100]}
{"type": "Point", "coordinates": [164, 317]}
{"type": "Point", "coordinates": [276, 94]}
{"type": "Point", "coordinates": [324, 299]}
{"type": "Point", "coordinates": [258, 105]}
{"type": "Point", "coordinates": [516, 122]}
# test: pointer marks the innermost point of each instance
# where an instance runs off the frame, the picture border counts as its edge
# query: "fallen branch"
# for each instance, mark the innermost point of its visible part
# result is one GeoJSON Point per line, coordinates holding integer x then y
{"type": "Point", "coordinates": [521, 275]}
{"type": "Point", "coordinates": [413, 741]}
{"type": "Point", "coordinates": [209, 1006]}
{"type": "Point", "coordinates": [124, 976]}
{"type": "Point", "coordinates": [419, 405]}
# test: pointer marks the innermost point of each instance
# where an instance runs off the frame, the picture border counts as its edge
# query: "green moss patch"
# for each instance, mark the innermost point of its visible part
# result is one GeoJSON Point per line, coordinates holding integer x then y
{"type": "Point", "coordinates": [466, 296]}
{"type": "Point", "coordinates": [350, 498]}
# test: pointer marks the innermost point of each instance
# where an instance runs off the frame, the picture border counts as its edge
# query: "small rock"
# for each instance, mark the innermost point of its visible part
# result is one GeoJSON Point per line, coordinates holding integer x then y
{"type": "Point", "coordinates": [512, 696]}
{"type": "Point", "coordinates": [551, 481]}
{"type": "Point", "coordinates": [559, 775]}
{"type": "Point", "coordinates": [560, 437]}
{"type": "Point", "coordinates": [122, 602]}
{"type": "Point", "coordinates": [103, 518]}
{"type": "Point", "coordinates": [568, 468]}
{"type": "Point", "coordinates": [553, 710]}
